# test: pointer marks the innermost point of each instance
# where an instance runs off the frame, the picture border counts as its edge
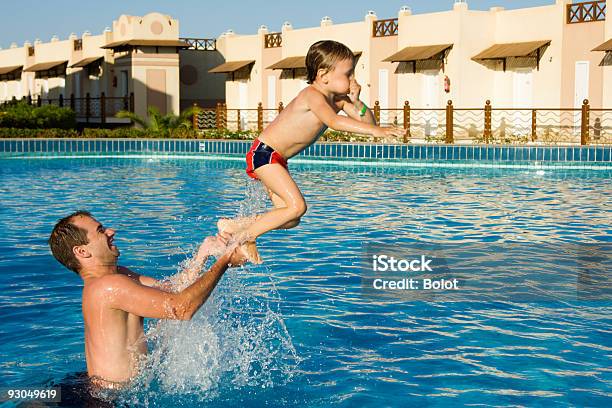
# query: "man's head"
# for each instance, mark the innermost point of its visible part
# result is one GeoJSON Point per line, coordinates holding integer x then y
{"type": "Point", "coordinates": [79, 240]}
{"type": "Point", "coordinates": [332, 64]}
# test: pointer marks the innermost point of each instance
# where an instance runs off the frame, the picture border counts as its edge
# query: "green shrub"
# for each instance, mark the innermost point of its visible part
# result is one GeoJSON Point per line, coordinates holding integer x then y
{"type": "Point", "coordinates": [18, 133]}
{"type": "Point", "coordinates": [24, 116]}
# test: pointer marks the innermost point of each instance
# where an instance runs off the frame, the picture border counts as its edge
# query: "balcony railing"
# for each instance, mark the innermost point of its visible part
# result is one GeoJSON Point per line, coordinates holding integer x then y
{"type": "Point", "coordinates": [273, 40]}
{"type": "Point", "coordinates": [487, 124]}
{"type": "Point", "coordinates": [586, 12]}
{"type": "Point", "coordinates": [384, 28]}
{"type": "Point", "coordinates": [201, 44]}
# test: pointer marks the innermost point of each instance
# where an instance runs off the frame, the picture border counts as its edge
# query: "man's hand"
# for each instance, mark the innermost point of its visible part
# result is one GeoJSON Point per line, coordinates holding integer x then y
{"type": "Point", "coordinates": [209, 246]}
{"type": "Point", "coordinates": [387, 132]}
{"type": "Point", "coordinates": [237, 257]}
{"type": "Point", "coordinates": [354, 91]}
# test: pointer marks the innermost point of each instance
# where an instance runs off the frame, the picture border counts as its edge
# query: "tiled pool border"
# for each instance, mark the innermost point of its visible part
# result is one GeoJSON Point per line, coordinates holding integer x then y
{"type": "Point", "coordinates": [443, 155]}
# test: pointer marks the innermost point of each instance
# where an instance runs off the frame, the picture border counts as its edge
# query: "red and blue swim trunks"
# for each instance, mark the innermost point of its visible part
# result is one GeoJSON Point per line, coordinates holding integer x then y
{"type": "Point", "coordinates": [261, 154]}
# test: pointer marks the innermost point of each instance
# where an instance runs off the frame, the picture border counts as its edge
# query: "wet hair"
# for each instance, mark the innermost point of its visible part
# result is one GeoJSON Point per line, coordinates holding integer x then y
{"type": "Point", "coordinates": [324, 55]}
{"type": "Point", "coordinates": [64, 237]}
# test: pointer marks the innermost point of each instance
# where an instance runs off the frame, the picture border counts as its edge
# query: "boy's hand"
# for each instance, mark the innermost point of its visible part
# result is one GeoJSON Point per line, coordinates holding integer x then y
{"type": "Point", "coordinates": [354, 91]}
{"type": "Point", "coordinates": [393, 131]}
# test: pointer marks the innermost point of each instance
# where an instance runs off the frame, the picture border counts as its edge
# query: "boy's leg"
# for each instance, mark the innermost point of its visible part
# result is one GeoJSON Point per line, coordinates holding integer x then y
{"type": "Point", "coordinates": [277, 180]}
{"type": "Point", "coordinates": [279, 203]}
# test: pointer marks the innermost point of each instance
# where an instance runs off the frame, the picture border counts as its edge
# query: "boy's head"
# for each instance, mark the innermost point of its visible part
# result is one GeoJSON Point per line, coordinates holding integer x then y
{"type": "Point", "coordinates": [323, 56]}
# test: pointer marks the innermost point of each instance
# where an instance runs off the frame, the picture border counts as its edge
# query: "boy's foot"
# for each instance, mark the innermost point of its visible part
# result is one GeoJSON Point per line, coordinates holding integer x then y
{"type": "Point", "coordinates": [250, 252]}
{"type": "Point", "coordinates": [234, 225]}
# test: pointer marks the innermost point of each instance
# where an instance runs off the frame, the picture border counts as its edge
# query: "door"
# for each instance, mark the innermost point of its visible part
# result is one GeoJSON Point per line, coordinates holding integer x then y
{"type": "Point", "coordinates": [124, 84]}
{"type": "Point", "coordinates": [581, 90]}
{"type": "Point", "coordinates": [431, 100]}
{"type": "Point", "coordinates": [522, 98]}
{"type": "Point", "coordinates": [383, 94]}
{"type": "Point", "coordinates": [271, 92]}
{"type": "Point", "coordinates": [77, 85]}
{"type": "Point", "coordinates": [156, 89]}
{"type": "Point", "coordinates": [243, 99]}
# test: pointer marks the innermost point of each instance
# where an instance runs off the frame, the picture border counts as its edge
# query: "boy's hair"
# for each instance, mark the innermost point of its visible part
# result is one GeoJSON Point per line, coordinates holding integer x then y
{"type": "Point", "coordinates": [324, 55]}
{"type": "Point", "coordinates": [64, 237]}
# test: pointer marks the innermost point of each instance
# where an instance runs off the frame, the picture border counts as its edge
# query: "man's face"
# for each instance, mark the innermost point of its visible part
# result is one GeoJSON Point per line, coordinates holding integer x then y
{"type": "Point", "coordinates": [100, 246]}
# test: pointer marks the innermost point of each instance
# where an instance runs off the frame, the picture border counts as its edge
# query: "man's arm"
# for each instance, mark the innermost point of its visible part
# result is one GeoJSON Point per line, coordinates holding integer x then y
{"type": "Point", "coordinates": [126, 294]}
{"type": "Point", "coordinates": [188, 274]}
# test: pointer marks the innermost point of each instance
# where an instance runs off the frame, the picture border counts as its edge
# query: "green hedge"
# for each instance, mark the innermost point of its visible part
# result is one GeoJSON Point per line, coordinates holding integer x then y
{"type": "Point", "coordinates": [24, 116]}
{"type": "Point", "coordinates": [132, 133]}
{"type": "Point", "coordinates": [124, 133]}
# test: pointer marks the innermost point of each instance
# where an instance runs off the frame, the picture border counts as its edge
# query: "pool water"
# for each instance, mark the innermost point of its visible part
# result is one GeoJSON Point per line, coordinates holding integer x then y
{"type": "Point", "coordinates": [300, 329]}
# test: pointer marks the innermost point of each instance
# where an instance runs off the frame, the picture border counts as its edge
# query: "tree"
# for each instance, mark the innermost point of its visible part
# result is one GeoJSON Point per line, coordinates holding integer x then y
{"type": "Point", "coordinates": [162, 123]}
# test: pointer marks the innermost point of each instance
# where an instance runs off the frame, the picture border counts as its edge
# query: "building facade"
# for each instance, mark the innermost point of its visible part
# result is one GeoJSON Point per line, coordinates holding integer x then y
{"type": "Point", "coordinates": [552, 56]}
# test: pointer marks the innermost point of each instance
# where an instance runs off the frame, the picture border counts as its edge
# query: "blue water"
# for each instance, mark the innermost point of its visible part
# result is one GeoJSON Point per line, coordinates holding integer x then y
{"type": "Point", "coordinates": [299, 329]}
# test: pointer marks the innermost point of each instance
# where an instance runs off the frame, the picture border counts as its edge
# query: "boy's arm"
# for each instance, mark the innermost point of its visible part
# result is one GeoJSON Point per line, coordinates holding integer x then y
{"type": "Point", "coordinates": [326, 114]}
{"type": "Point", "coordinates": [353, 110]}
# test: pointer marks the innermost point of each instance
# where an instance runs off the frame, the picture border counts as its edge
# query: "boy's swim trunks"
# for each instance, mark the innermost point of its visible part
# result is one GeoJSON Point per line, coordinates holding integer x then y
{"type": "Point", "coordinates": [261, 154]}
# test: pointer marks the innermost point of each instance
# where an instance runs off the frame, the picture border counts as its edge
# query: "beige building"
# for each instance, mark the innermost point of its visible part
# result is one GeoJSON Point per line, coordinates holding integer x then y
{"type": "Point", "coordinates": [546, 57]}
{"type": "Point", "coordinates": [139, 56]}
{"type": "Point", "coordinates": [523, 58]}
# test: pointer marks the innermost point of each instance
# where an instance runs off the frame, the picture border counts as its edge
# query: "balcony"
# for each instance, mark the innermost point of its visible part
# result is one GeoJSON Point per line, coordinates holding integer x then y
{"type": "Point", "coordinates": [384, 28]}
{"type": "Point", "coordinates": [586, 12]}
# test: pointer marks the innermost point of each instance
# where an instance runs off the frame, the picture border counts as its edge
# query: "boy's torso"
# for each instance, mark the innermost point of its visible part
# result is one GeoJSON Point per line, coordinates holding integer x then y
{"type": "Point", "coordinates": [295, 128]}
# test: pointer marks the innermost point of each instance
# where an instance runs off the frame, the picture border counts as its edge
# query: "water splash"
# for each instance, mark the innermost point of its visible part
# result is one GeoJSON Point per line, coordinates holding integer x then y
{"type": "Point", "coordinates": [237, 340]}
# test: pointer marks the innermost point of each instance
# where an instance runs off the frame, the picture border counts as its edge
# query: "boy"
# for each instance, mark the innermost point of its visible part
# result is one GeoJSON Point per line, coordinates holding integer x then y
{"type": "Point", "coordinates": [330, 69]}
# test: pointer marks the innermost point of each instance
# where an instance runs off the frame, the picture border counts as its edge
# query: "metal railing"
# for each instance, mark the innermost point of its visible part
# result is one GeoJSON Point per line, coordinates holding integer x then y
{"type": "Point", "coordinates": [201, 44]}
{"type": "Point", "coordinates": [487, 124]}
{"type": "Point", "coordinates": [88, 108]}
{"type": "Point", "coordinates": [586, 12]}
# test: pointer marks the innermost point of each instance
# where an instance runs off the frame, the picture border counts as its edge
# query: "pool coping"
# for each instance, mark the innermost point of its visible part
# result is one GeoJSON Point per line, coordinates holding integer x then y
{"type": "Point", "coordinates": [597, 157]}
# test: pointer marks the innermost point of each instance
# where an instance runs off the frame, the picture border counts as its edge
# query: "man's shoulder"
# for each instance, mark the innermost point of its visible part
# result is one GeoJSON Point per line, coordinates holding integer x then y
{"type": "Point", "coordinates": [106, 284]}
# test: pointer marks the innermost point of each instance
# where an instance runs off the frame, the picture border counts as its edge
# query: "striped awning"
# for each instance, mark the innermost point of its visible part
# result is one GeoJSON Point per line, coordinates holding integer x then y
{"type": "Point", "coordinates": [45, 66]}
{"type": "Point", "coordinates": [290, 63]}
{"type": "Point", "coordinates": [508, 50]}
{"type": "Point", "coordinates": [143, 42]}
{"type": "Point", "coordinates": [418, 53]}
{"type": "Point", "coordinates": [607, 46]}
{"type": "Point", "coordinates": [231, 66]}
{"type": "Point", "coordinates": [85, 61]}
{"type": "Point", "coordinates": [8, 70]}
{"type": "Point", "coordinates": [296, 62]}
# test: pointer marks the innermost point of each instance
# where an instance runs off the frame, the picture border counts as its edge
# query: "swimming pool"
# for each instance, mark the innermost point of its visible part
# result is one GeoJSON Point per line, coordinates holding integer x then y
{"type": "Point", "coordinates": [300, 329]}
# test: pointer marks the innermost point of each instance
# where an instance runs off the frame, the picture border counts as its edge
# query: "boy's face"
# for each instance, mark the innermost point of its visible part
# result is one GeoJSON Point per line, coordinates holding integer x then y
{"type": "Point", "coordinates": [338, 80]}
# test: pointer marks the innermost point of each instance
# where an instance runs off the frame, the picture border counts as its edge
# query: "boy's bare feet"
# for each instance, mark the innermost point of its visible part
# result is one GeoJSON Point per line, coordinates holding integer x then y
{"type": "Point", "coordinates": [249, 250]}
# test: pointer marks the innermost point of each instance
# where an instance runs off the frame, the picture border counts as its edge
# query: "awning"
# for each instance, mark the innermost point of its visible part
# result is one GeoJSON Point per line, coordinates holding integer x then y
{"type": "Point", "coordinates": [499, 51]}
{"type": "Point", "coordinates": [289, 63]}
{"type": "Point", "coordinates": [512, 50]}
{"type": "Point", "coordinates": [296, 62]}
{"type": "Point", "coordinates": [150, 43]}
{"type": "Point", "coordinates": [607, 46]}
{"type": "Point", "coordinates": [8, 70]}
{"type": "Point", "coordinates": [45, 66]}
{"type": "Point", "coordinates": [418, 53]}
{"type": "Point", "coordinates": [85, 61]}
{"type": "Point", "coordinates": [231, 66]}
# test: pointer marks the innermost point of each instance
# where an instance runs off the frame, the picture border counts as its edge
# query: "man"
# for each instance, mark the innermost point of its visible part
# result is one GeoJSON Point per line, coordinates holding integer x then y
{"type": "Point", "coordinates": [116, 300]}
